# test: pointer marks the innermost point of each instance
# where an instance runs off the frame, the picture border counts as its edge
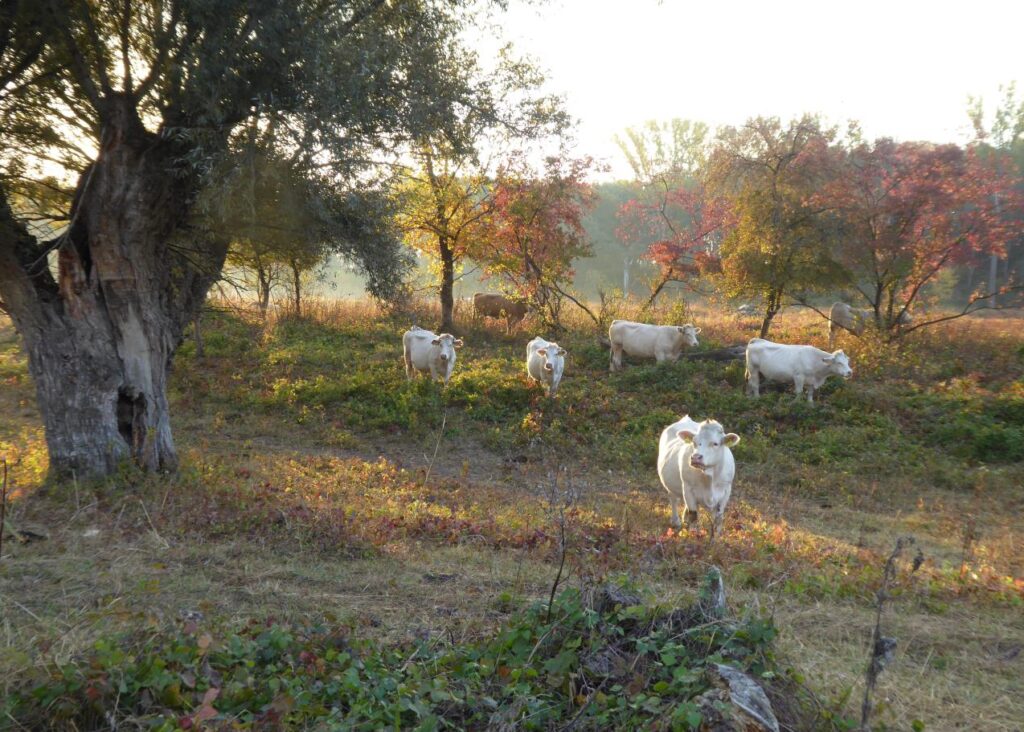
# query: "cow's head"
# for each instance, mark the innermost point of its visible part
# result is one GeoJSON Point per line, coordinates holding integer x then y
{"type": "Point", "coordinates": [446, 344]}
{"type": "Point", "coordinates": [839, 364]}
{"type": "Point", "coordinates": [554, 358]}
{"type": "Point", "coordinates": [689, 334]}
{"type": "Point", "coordinates": [709, 443]}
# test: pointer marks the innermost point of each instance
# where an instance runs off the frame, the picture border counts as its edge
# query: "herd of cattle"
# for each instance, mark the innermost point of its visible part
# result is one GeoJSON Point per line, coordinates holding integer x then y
{"type": "Point", "coordinates": [695, 463]}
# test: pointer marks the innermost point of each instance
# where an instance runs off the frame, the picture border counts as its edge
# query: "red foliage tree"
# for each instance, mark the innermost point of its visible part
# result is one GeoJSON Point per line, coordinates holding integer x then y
{"type": "Point", "coordinates": [536, 230]}
{"type": "Point", "coordinates": [910, 210]}
{"type": "Point", "coordinates": [686, 224]}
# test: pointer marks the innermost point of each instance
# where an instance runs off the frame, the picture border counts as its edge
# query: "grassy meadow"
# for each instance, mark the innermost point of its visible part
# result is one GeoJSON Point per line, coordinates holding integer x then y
{"type": "Point", "coordinates": [318, 485]}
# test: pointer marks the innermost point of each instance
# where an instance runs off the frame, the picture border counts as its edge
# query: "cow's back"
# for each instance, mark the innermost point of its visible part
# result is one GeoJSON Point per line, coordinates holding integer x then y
{"type": "Point", "coordinates": [417, 343]}
{"type": "Point", "coordinates": [670, 450]}
{"type": "Point", "coordinates": [493, 305]}
{"type": "Point", "coordinates": [639, 339]}
{"type": "Point", "coordinates": [782, 361]}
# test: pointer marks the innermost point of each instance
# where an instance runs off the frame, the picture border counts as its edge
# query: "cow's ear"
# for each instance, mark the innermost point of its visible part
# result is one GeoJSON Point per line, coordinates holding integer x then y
{"type": "Point", "coordinates": [696, 330]}
{"type": "Point", "coordinates": [686, 436]}
{"type": "Point", "coordinates": [732, 439]}
{"type": "Point", "coordinates": [542, 352]}
{"type": "Point", "coordinates": [436, 342]}
{"type": "Point", "coordinates": [458, 343]}
{"type": "Point", "coordinates": [562, 351]}
{"type": "Point", "coordinates": [828, 359]}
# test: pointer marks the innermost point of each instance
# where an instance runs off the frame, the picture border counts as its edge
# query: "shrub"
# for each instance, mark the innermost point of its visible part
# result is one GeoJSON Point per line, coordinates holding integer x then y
{"type": "Point", "coordinates": [605, 665]}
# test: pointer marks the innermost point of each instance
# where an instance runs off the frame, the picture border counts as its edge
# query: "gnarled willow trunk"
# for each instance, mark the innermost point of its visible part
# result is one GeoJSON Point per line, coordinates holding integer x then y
{"type": "Point", "coordinates": [100, 337]}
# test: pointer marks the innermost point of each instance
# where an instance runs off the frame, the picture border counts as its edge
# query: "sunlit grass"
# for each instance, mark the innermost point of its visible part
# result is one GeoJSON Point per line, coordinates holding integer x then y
{"type": "Point", "coordinates": [305, 483]}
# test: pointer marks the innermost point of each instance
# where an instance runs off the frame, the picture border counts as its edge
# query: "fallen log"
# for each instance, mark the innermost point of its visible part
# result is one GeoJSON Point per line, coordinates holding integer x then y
{"type": "Point", "coordinates": [729, 353]}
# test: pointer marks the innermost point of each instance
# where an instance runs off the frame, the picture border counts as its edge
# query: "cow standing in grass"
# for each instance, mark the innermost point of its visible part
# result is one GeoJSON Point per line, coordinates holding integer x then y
{"type": "Point", "coordinates": [495, 305]}
{"type": "Point", "coordinates": [545, 362]}
{"type": "Point", "coordinates": [425, 351]}
{"type": "Point", "coordinates": [848, 318]}
{"type": "Point", "coordinates": [854, 320]}
{"type": "Point", "coordinates": [806, 366]}
{"type": "Point", "coordinates": [640, 340]}
{"type": "Point", "coordinates": [696, 467]}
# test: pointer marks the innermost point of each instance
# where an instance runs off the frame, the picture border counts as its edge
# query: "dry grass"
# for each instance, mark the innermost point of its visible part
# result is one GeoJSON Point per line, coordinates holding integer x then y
{"type": "Point", "coordinates": [278, 514]}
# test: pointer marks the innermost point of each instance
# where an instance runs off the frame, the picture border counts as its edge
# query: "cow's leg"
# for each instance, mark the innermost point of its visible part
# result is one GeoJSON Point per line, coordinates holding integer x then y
{"type": "Point", "coordinates": [831, 336]}
{"type": "Point", "coordinates": [719, 519]}
{"type": "Point", "coordinates": [615, 363]}
{"type": "Point", "coordinates": [754, 383]}
{"type": "Point", "coordinates": [690, 515]}
{"type": "Point", "coordinates": [798, 384]}
{"type": "Point", "coordinates": [674, 500]}
{"type": "Point", "coordinates": [810, 394]}
{"type": "Point", "coordinates": [409, 370]}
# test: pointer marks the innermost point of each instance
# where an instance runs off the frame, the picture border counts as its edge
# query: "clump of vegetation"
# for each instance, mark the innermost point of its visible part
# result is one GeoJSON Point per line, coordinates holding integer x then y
{"type": "Point", "coordinates": [318, 479]}
{"type": "Point", "coordinates": [599, 660]}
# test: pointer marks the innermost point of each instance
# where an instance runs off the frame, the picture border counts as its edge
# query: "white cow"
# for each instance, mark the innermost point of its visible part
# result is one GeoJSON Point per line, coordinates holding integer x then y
{"type": "Point", "coordinates": [847, 317]}
{"type": "Point", "coordinates": [747, 309]}
{"type": "Point", "coordinates": [545, 362]}
{"type": "Point", "coordinates": [696, 466]}
{"type": "Point", "coordinates": [854, 320]}
{"type": "Point", "coordinates": [805, 366]}
{"type": "Point", "coordinates": [426, 351]}
{"type": "Point", "coordinates": [660, 342]}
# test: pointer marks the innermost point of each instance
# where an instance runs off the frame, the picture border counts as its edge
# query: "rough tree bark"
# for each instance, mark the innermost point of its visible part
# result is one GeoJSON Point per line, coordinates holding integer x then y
{"type": "Point", "coordinates": [100, 337]}
{"type": "Point", "coordinates": [773, 304]}
{"type": "Point", "coordinates": [447, 285]}
{"type": "Point", "coordinates": [297, 287]}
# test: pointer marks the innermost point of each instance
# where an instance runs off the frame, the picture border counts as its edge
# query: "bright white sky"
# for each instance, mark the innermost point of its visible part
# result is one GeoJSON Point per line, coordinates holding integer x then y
{"type": "Point", "coordinates": [903, 68]}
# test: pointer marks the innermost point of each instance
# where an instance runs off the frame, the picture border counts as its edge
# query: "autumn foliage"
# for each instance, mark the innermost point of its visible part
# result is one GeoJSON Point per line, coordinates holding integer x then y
{"type": "Point", "coordinates": [908, 210]}
{"type": "Point", "coordinates": [686, 224]}
{"type": "Point", "coordinates": [536, 229]}
{"type": "Point", "coordinates": [782, 211]}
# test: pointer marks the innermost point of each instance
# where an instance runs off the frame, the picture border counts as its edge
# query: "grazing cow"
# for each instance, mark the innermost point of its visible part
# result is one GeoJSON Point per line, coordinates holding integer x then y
{"type": "Point", "coordinates": [747, 309]}
{"type": "Point", "coordinates": [696, 465]}
{"type": "Point", "coordinates": [805, 366]}
{"type": "Point", "coordinates": [545, 362]}
{"type": "Point", "coordinates": [426, 351]}
{"type": "Point", "coordinates": [849, 318]}
{"type": "Point", "coordinates": [660, 342]}
{"type": "Point", "coordinates": [854, 320]}
{"type": "Point", "coordinates": [495, 305]}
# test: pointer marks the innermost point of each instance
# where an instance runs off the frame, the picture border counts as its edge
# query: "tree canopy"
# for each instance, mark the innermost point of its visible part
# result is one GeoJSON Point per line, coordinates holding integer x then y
{"type": "Point", "coordinates": [123, 118]}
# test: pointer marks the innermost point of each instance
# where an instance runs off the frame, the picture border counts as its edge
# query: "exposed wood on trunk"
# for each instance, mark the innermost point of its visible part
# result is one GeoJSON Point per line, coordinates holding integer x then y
{"type": "Point", "coordinates": [100, 337]}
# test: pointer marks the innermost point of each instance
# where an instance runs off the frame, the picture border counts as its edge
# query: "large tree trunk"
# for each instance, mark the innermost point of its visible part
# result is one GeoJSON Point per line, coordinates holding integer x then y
{"type": "Point", "coordinates": [297, 285]}
{"type": "Point", "coordinates": [772, 307]}
{"type": "Point", "coordinates": [100, 338]}
{"type": "Point", "coordinates": [263, 285]}
{"type": "Point", "coordinates": [993, 279]}
{"type": "Point", "coordinates": [447, 285]}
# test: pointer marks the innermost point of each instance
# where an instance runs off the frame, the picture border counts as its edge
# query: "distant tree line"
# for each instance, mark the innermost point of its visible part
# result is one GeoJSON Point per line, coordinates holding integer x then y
{"type": "Point", "coordinates": [780, 213]}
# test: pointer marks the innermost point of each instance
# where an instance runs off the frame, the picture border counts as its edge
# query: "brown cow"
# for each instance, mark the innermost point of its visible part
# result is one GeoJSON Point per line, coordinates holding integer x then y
{"type": "Point", "coordinates": [496, 305]}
